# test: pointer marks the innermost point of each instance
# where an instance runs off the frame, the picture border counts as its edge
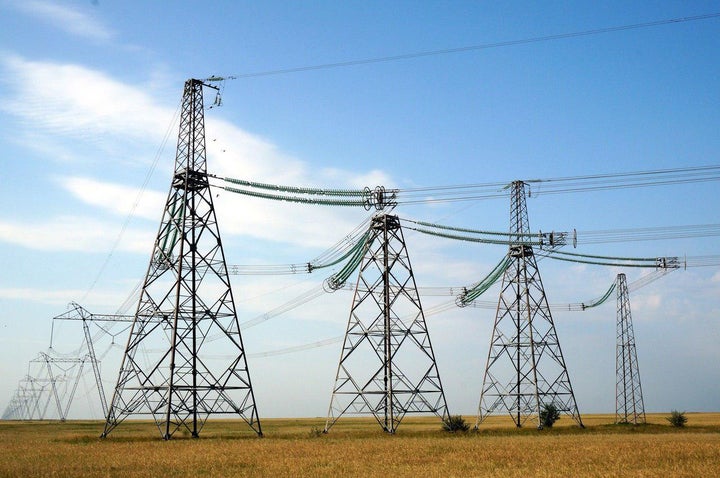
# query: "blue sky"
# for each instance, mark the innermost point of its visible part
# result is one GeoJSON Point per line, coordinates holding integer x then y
{"type": "Point", "coordinates": [90, 89]}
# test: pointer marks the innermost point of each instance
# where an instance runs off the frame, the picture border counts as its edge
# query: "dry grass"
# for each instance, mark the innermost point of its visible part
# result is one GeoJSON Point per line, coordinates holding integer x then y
{"type": "Point", "coordinates": [359, 448]}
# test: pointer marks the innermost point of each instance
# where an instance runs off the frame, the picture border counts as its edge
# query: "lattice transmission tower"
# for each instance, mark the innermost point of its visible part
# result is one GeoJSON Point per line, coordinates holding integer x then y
{"type": "Point", "coordinates": [185, 358]}
{"type": "Point", "coordinates": [629, 406]}
{"type": "Point", "coordinates": [48, 387]}
{"type": "Point", "coordinates": [387, 367]}
{"type": "Point", "coordinates": [525, 368]}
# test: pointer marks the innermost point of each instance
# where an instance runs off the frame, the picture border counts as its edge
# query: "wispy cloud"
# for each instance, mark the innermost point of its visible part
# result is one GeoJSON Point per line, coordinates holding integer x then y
{"type": "Point", "coordinates": [68, 19]}
{"type": "Point", "coordinates": [116, 198]}
{"type": "Point", "coordinates": [78, 102]}
{"type": "Point", "coordinates": [60, 297]}
{"type": "Point", "coordinates": [71, 103]}
{"type": "Point", "coordinates": [73, 233]}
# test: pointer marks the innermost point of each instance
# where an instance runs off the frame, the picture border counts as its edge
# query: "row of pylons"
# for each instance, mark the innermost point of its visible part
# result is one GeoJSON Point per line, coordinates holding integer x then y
{"type": "Point", "coordinates": [186, 320]}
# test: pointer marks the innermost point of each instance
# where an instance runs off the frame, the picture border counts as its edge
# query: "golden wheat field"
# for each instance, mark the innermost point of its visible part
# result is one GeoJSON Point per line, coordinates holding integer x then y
{"type": "Point", "coordinates": [358, 447]}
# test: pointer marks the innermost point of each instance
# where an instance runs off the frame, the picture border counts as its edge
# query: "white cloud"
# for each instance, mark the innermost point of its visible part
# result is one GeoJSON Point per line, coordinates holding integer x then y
{"type": "Point", "coordinates": [67, 101]}
{"type": "Point", "coordinates": [65, 18]}
{"type": "Point", "coordinates": [71, 233]}
{"type": "Point", "coordinates": [646, 303]}
{"type": "Point", "coordinates": [60, 297]}
{"type": "Point", "coordinates": [116, 198]}
{"type": "Point", "coordinates": [74, 101]}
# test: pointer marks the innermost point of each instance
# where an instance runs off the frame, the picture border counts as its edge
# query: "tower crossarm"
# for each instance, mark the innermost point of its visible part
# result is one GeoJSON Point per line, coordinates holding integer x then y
{"type": "Point", "coordinates": [77, 312]}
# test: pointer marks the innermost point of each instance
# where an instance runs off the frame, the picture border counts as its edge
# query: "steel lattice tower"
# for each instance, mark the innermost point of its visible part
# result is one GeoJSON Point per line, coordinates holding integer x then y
{"type": "Point", "coordinates": [387, 366]}
{"type": "Point", "coordinates": [629, 407]}
{"type": "Point", "coordinates": [185, 358]}
{"type": "Point", "coordinates": [525, 367]}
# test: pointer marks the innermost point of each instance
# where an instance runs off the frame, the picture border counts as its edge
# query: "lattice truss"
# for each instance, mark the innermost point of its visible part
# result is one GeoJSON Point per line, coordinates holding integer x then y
{"type": "Point", "coordinates": [185, 358]}
{"type": "Point", "coordinates": [387, 367]}
{"type": "Point", "coordinates": [48, 389]}
{"type": "Point", "coordinates": [525, 367]}
{"type": "Point", "coordinates": [629, 406]}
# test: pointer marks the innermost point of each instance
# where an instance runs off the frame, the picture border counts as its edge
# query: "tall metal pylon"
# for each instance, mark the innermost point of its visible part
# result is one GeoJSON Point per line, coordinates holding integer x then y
{"type": "Point", "coordinates": [387, 366]}
{"type": "Point", "coordinates": [525, 368]}
{"type": "Point", "coordinates": [185, 358]}
{"type": "Point", "coordinates": [77, 312]}
{"type": "Point", "coordinates": [629, 406]}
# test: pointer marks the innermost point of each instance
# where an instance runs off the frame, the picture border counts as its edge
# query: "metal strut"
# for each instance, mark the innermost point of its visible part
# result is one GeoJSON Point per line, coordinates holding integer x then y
{"type": "Point", "coordinates": [629, 406]}
{"type": "Point", "coordinates": [387, 367]}
{"type": "Point", "coordinates": [525, 368]}
{"type": "Point", "coordinates": [170, 372]}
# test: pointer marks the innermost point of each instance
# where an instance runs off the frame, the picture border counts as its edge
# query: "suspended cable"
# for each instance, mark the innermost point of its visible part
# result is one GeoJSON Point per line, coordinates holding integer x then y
{"type": "Point", "coordinates": [298, 348]}
{"type": "Point", "coordinates": [297, 199]}
{"type": "Point", "coordinates": [464, 238]}
{"type": "Point", "coordinates": [287, 306]}
{"type": "Point", "coordinates": [662, 262]}
{"type": "Point", "coordinates": [293, 189]}
{"type": "Point", "coordinates": [332, 256]}
{"type": "Point", "coordinates": [702, 261]}
{"type": "Point", "coordinates": [483, 46]}
{"type": "Point", "coordinates": [380, 198]}
{"type": "Point", "coordinates": [474, 231]}
{"type": "Point", "coordinates": [648, 233]}
{"type": "Point", "coordinates": [589, 256]}
{"type": "Point", "coordinates": [338, 279]}
{"type": "Point", "coordinates": [333, 340]}
{"type": "Point", "coordinates": [136, 203]}
{"type": "Point", "coordinates": [564, 184]}
{"type": "Point", "coordinates": [649, 278]}
{"type": "Point", "coordinates": [481, 287]}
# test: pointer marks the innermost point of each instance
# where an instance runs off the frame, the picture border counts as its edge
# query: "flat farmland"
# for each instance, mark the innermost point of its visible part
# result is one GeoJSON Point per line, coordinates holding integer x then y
{"type": "Point", "coordinates": [358, 447]}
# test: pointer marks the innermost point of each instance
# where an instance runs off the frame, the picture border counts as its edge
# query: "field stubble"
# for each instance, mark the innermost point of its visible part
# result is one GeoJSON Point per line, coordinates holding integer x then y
{"type": "Point", "coordinates": [358, 447]}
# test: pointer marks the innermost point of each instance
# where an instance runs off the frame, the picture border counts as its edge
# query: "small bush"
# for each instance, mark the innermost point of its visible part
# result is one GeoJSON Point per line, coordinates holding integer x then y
{"type": "Point", "coordinates": [455, 423]}
{"type": "Point", "coordinates": [677, 419]}
{"type": "Point", "coordinates": [549, 414]}
{"type": "Point", "coordinates": [315, 432]}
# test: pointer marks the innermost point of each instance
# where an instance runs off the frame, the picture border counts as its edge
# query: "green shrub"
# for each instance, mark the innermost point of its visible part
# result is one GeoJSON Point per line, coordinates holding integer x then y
{"type": "Point", "coordinates": [455, 423]}
{"type": "Point", "coordinates": [677, 419]}
{"type": "Point", "coordinates": [316, 432]}
{"type": "Point", "coordinates": [549, 414]}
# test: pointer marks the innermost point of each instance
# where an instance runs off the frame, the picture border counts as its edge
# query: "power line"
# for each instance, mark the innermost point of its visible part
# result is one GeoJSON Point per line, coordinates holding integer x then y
{"type": "Point", "coordinates": [482, 46]}
{"type": "Point", "coordinates": [381, 197]}
{"type": "Point", "coordinates": [136, 203]}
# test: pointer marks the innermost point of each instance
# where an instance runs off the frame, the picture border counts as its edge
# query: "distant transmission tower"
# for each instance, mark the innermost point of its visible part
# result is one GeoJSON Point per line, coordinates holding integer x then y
{"type": "Point", "coordinates": [387, 366]}
{"type": "Point", "coordinates": [77, 312]}
{"type": "Point", "coordinates": [629, 407]}
{"type": "Point", "coordinates": [525, 368]}
{"type": "Point", "coordinates": [185, 358]}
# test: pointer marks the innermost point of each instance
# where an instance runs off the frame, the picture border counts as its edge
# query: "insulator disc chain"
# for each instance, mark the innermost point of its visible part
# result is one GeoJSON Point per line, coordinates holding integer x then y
{"type": "Point", "coordinates": [379, 198]}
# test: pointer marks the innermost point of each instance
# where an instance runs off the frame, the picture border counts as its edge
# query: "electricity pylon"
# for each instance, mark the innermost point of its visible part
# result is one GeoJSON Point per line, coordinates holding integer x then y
{"type": "Point", "coordinates": [629, 406]}
{"type": "Point", "coordinates": [60, 370]}
{"type": "Point", "coordinates": [185, 358]}
{"type": "Point", "coordinates": [387, 366]}
{"type": "Point", "coordinates": [525, 369]}
{"type": "Point", "coordinates": [30, 400]}
{"type": "Point", "coordinates": [77, 312]}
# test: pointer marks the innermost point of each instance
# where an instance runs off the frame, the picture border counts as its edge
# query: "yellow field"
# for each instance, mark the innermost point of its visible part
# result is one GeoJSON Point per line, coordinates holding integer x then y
{"type": "Point", "coordinates": [358, 447]}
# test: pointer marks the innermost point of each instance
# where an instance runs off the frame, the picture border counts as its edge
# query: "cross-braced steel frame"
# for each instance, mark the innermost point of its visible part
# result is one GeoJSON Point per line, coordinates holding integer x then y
{"type": "Point", "coordinates": [32, 399]}
{"type": "Point", "coordinates": [50, 385]}
{"type": "Point", "coordinates": [77, 312]}
{"type": "Point", "coordinates": [387, 367]}
{"type": "Point", "coordinates": [629, 406]}
{"type": "Point", "coordinates": [185, 359]}
{"type": "Point", "coordinates": [525, 368]}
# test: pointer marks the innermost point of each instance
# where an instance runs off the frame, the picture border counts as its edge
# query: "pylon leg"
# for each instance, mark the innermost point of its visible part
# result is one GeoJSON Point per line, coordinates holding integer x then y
{"type": "Point", "coordinates": [387, 367]}
{"type": "Point", "coordinates": [525, 368]}
{"type": "Point", "coordinates": [185, 359]}
{"type": "Point", "coordinates": [629, 405]}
